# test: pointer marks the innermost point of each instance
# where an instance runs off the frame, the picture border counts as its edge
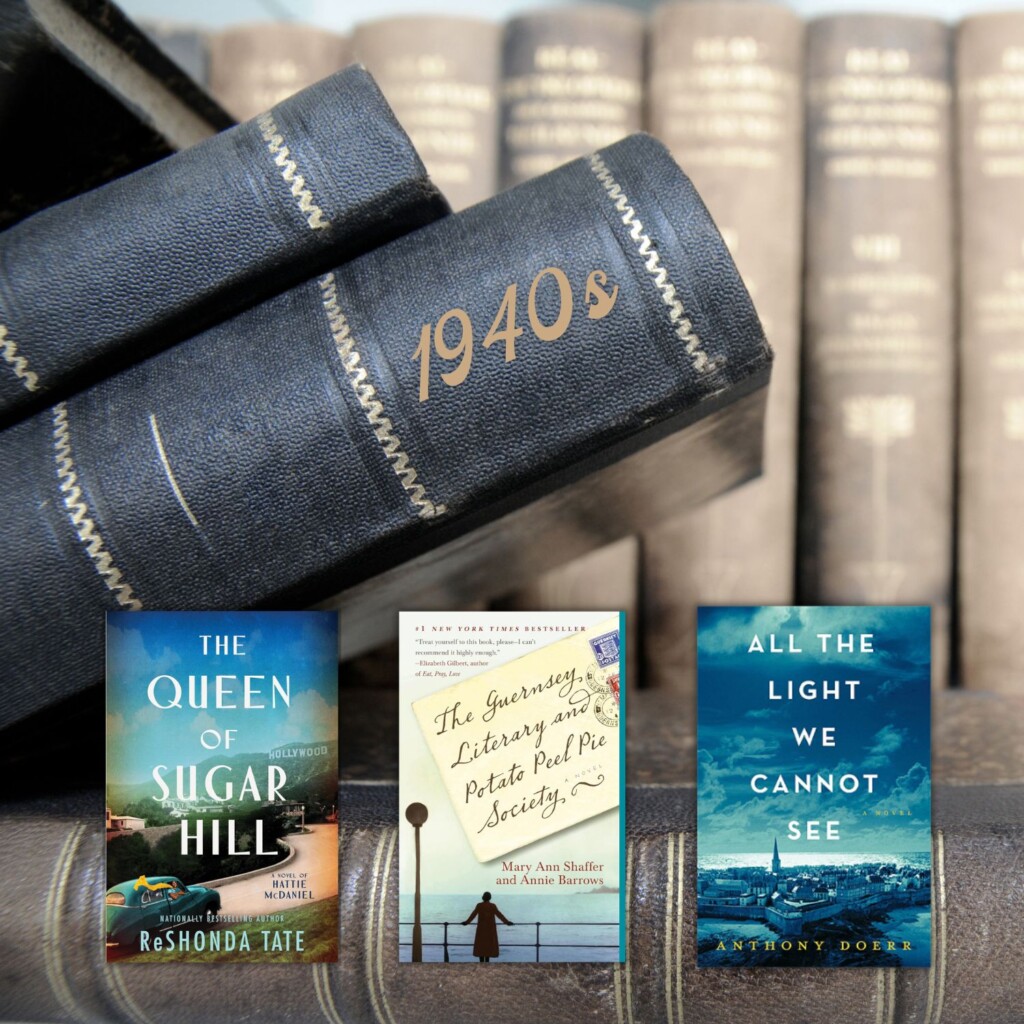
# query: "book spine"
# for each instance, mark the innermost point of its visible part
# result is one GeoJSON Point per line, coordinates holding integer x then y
{"type": "Point", "coordinates": [726, 97]}
{"type": "Point", "coordinates": [877, 431]}
{"type": "Point", "coordinates": [255, 67]}
{"type": "Point", "coordinates": [108, 277]}
{"type": "Point", "coordinates": [321, 437]}
{"type": "Point", "coordinates": [572, 82]}
{"type": "Point", "coordinates": [119, 102]}
{"type": "Point", "coordinates": [990, 84]}
{"type": "Point", "coordinates": [440, 75]}
{"type": "Point", "coordinates": [58, 977]}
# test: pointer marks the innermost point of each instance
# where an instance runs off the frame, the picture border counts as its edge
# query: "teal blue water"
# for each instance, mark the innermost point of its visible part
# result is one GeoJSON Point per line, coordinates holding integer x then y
{"type": "Point", "coordinates": [575, 928]}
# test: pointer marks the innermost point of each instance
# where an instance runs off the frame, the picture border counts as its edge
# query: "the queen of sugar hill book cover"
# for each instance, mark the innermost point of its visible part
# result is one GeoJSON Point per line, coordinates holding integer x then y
{"type": "Point", "coordinates": [222, 771]}
{"type": "Point", "coordinates": [814, 787]}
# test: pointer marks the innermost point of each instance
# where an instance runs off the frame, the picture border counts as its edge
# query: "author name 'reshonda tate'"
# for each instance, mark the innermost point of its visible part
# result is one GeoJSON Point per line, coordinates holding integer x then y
{"type": "Point", "coordinates": [270, 941]}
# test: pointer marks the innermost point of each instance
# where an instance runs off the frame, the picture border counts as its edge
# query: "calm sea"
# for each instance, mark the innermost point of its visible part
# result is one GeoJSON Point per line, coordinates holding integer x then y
{"type": "Point", "coordinates": [577, 927]}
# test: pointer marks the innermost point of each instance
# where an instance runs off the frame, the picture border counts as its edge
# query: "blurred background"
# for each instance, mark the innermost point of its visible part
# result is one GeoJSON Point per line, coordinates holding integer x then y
{"type": "Point", "coordinates": [341, 16]}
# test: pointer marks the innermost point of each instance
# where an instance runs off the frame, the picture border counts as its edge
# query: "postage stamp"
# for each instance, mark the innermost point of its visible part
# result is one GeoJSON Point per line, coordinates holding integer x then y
{"type": "Point", "coordinates": [606, 649]}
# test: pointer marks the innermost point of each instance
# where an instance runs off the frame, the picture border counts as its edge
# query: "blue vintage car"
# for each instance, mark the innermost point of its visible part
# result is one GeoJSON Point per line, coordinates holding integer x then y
{"type": "Point", "coordinates": [150, 904]}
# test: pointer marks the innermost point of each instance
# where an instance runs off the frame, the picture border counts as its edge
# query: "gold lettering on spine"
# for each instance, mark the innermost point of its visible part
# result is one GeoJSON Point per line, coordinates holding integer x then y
{"type": "Point", "coordinates": [78, 513]}
{"type": "Point", "coordinates": [445, 117]}
{"type": "Point", "coordinates": [998, 100]}
{"type": "Point", "coordinates": [878, 119]}
{"type": "Point", "coordinates": [993, 105]}
{"type": "Point", "coordinates": [702, 363]}
{"type": "Point", "coordinates": [289, 171]}
{"type": "Point", "coordinates": [17, 363]}
{"type": "Point", "coordinates": [728, 109]}
{"type": "Point", "coordinates": [567, 101]}
{"type": "Point", "coordinates": [366, 394]}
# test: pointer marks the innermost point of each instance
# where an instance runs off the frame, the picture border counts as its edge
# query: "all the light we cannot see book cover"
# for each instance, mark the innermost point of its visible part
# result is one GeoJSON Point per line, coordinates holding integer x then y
{"type": "Point", "coordinates": [511, 782]}
{"type": "Point", "coordinates": [222, 773]}
{"type": "Point", "coordinates": [814, 787]}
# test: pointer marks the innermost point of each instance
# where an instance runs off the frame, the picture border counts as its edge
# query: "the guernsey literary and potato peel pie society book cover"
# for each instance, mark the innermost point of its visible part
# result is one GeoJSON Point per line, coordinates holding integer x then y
{"type": "Point", "coordinates": [222, 773]}
{"type": "Point", "coordinates": [814, 787]}
{"type": "Point", "coordinates": [511, 782]}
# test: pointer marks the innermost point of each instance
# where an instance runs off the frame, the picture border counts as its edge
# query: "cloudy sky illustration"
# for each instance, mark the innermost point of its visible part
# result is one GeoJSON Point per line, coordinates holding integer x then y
{"type": "Point", "coordinates": [744, 735]}
{"type": "Point", "coordinates": [141, 646]}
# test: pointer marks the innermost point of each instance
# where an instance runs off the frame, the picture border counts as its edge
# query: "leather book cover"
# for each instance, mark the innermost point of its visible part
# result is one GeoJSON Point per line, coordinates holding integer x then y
{"type": "Point", "coordinates": [813, 787]}
{"type": "Point", "coordinates": [877, 442]}
{"type": "Point", "coordinates": [323, 437]}
{"type": "Point", "coordinates": [107, 278]}
{"type": "Point", "coordinates": [91, 98]}
{"type": "Point", "coordinates": [978, 828]}
{"type": "Point", "coordinates": [990, 84]}
{"type": "Point", "coordinates": [441, 76]}
{"type": "Point", "coordinates": [725, 94]}
{"type": "Point", "coordinates": [511, 776]}
{"type": "Point", "coordinates": [572, 83]}
{"type": "Point", "coordinates": [221, 790]}
{"type": "Point", "coordinates": [254, 67]}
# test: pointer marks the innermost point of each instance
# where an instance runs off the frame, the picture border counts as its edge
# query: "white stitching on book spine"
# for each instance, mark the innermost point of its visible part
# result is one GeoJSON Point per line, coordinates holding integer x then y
{"type": "Point", "coordinates": [289, 171]}
{"type": "Point", "coordinates": [18, 364]}
{"type": "Point", "coordinates": [702, 363]}
{"type": "Point", "coordinates": [78, 513]}
{"type": "Point", "coordinates": [366, 394]}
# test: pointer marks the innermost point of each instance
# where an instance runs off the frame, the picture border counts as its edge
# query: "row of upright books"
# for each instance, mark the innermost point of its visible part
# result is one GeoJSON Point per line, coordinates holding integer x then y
{"type": "Point", "coordinates": [867, 172]}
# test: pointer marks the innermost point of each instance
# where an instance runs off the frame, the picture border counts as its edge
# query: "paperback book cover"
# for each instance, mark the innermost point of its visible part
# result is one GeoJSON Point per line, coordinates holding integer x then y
{"type": "Point", "coordinates": [222, 774]}
{"type": "Point", "coordinates": [814, 787]}
{"type": "Point", "coordinates": [511, 783]}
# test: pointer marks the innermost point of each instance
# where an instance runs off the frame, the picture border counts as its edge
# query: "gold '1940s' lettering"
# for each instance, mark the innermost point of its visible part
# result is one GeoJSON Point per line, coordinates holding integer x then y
{"type": "Point", "coordinates": [598, 298]}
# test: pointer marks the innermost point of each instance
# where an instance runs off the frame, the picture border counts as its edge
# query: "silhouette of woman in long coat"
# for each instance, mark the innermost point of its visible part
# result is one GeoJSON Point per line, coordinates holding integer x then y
{"type": "Point", "coordinates": [485, 945]}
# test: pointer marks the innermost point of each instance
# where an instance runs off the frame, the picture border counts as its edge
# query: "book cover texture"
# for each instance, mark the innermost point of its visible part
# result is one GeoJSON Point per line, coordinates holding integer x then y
{"type": "Point", "coordinates": [813, 787]}
{"type": "Point", "coordinates": [222, 773]}
{"type": "Point", "coordinates": [510, 786]}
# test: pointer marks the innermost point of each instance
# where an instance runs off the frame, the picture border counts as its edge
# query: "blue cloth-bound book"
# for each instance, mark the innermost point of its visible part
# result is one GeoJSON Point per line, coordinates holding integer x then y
{"type": "Point", "coordinates": [110, 276]}
{"type": "Point", "coordinates": [380, 409]}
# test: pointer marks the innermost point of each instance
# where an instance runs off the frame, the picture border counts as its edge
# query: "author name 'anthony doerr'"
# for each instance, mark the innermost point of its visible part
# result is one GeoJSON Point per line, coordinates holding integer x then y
{"type": "Point", "coordinates": [222, 750]}
{"type": "Point", "coordinates": [818, 945]}
{"type": "Point", "coordinates": [814, 786]}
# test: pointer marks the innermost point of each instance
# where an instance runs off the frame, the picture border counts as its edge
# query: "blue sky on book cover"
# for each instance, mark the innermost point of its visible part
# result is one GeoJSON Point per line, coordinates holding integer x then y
{"type": "Point", "coordinates": [814, 786]}
{"type": "Point", "coordinates": [222, 767]}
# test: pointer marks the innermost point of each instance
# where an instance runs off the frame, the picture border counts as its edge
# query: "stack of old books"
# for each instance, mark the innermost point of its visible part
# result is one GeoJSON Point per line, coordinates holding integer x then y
{"type": "Point", "coordinates": [266, 366]}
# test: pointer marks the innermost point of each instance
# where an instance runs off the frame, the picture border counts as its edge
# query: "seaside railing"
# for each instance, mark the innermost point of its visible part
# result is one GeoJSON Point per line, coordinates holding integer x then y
{"type": "Point", "coordinates": [537, 945]}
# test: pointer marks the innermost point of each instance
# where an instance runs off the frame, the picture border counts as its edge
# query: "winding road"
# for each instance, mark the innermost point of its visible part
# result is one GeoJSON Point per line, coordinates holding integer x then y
{"type": "Point", "coordinates": [316, 854]}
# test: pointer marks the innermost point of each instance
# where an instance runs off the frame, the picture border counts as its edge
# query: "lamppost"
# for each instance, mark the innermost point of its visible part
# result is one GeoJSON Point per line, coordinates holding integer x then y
{"type": "Point", "coordinates": [416, 814]}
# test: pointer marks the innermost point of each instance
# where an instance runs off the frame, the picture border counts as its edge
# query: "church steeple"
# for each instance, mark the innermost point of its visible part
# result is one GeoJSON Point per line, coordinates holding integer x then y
{"type": "Point", "coordinates": [776, 864]}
